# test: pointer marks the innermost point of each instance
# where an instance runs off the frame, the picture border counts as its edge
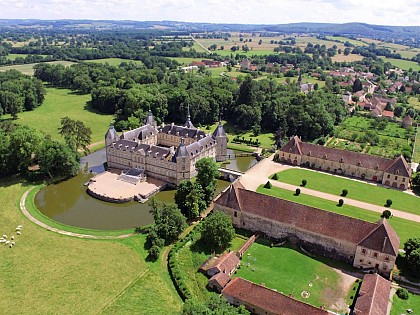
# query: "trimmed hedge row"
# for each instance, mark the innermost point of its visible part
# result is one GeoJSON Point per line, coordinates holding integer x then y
{"type": "Point", "coordinates": [173, 267]}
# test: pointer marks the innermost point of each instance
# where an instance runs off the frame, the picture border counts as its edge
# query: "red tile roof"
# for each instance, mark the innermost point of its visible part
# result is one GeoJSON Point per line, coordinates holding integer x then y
{"type": "Point", "coordinates": [399, 167]}
{"type": "Point", "coordinates": [382, 239]}
{"type": "Point", "coordinates": [220, 279]}
{"type": "Point", "coordinates": [388, 113]}
{"type": "Point", "coordinates": [226, 263]}
{"type": "Point", "coordinates": [373, 296]}
{"type": "Point", "coordinates": [258, 296]}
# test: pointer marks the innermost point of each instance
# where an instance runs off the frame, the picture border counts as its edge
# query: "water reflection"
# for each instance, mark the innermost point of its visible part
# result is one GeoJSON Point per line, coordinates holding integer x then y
{"type": "Point", "coordinates": [67, 201]}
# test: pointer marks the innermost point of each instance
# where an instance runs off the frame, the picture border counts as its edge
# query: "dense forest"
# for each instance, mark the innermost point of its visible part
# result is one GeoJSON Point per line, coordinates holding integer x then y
{"type": "Point", "coordinates": [129, 91]}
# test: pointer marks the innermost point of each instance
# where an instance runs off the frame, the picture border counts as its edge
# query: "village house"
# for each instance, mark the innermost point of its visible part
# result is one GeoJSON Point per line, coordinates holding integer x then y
{"type": "Point", "coordinates": [395, 173]}
{"type": "Point", "coordinates": [168, 153]}
{"type": "Point", "coordinates": [373, 296]}
{"type": "Point", "coordinates": [365, 245]}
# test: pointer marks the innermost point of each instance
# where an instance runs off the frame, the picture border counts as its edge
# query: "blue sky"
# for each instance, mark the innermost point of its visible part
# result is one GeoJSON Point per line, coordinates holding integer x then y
{"type": "Point", "coordinates": [384, 12]}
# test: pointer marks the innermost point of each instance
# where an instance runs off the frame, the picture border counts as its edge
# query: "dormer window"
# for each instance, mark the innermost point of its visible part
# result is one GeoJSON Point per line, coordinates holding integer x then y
{"type": "Point", "coordinates": [363, 251]}
{"type": "Point", "coordinates": [325, 156]}
{"type": "Point", "coordinates": [341, 160]}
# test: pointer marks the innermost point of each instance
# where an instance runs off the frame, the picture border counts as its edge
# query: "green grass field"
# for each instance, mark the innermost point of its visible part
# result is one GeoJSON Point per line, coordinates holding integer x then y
{"type": "Point", "coordinates": [290, 271]}
{"type": "Point", "coordinates": [60, 103]}
{"type": "Point", "coordinates": [404, 228]}
{"type": "Point", "coordinates": [369, 193]}
{"type": "Point", "coordinates": [416, 155]}
{"type": "Point", "coordinates": [400, 306]}
{"type": "Point", "coordinates": [345, 39]}
{"type": "Point", "coordinates": [64, 275]}
{"type": "Point", "coordinates": [403, 64]}
{"type": "Point", "coordinates": [29, 67]}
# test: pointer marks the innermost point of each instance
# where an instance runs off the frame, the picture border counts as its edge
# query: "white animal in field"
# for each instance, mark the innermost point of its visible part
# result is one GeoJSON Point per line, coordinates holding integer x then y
{"type": "Point", "coordinates": [19, 226]}
{"type": "Point", "coordinates": [18, 233]}
{"type": "Point", "coordinates": [12, 238]}
{"type": "Point", "coordinates": [4, 236]}
{"type": "Point", "coordinates": [8, 242]}
{"type": "Point", "coordinates": [12, 243]}
{"type": "Point", "coordinates": [10, 246]}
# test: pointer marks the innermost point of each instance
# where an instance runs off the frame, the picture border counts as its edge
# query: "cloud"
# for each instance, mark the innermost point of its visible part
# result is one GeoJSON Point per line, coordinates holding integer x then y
{"type": "Point", "coordinates": [385, 12]}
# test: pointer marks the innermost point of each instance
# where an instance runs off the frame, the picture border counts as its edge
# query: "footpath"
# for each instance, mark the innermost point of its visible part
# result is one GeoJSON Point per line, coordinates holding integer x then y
{"type": "Point", "coordinates": [259, 174]}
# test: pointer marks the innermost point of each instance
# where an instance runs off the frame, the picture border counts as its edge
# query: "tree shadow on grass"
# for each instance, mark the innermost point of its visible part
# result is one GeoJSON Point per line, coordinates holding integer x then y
{"type": "Point", "coordinates": [89, 107]}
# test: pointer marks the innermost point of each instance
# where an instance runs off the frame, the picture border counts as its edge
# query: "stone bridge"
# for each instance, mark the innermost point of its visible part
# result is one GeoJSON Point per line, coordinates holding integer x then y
{"type": "Point", "coordinates": [230, 174]}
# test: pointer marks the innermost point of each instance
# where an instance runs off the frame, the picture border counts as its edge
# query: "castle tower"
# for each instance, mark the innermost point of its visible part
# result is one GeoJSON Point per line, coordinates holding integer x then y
{"type": "Point", "coordinates": [110, 136]}
{"type": "Point", "coordinates": [188, 122]}
{"type": "Point", "coordinates": [182, 160]}
{"type": "Point", "coordinates": [150, 120]}
{"type": "Point", "coordinates": [221, 139]}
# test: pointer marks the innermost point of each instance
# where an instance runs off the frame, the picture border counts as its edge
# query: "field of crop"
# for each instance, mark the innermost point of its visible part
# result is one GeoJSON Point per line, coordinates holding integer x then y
{"type": "Point", "coordinates": [59, 103]}
{"type": "Point", "coordinates": [29, 67]}
{"type": "Point", "coordinates": [403, 64]}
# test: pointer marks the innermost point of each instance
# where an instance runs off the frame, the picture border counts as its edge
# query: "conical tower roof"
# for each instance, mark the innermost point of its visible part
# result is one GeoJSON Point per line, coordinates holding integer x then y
{"type": "Point", "coordinates": [188, 122]}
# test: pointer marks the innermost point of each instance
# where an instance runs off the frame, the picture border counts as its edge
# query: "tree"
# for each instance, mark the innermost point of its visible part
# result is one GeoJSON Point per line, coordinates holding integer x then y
{"type": "Point", "coordinates": [212, 306]}
{"type": "Point", "coordinates": [340, 202]}
{"type": "Point", "coordinates": [357, 85]}
{"type": "Point", "coordinates": [56, 159]}
{"type": "Point", "coordinates": [268, 185]}
{"type": "Point", "coordinates": [344, 193]}
{"type": "Point", "coordinates": [304, 182]}
{"type": "Point", "coordinates": [297, 192]}
{"type": "Point", "coordinates": [402, 293]}
{"type": "Point", "coordinates": [169, 220]}
{"type": "Point", "coordinates": [386, 214]}
{"type": "Point", "coordinates": [388, 203]}
{"type": "Point", "coordinates": [76, 134]}
{"type": "Point", "coordinates": [189, 198]}
{"type": "Point", "coordinates": [207, 173]}
{"type": "Point", "coordinates": [217, 230]}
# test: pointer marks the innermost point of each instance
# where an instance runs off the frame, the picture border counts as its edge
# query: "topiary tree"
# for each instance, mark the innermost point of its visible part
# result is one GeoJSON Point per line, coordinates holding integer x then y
{"type": "Point", "coordinates": [304, 182]}
{"type": "Point", "coordinates": [275, 177]}
{"type": "Point", "coordinates": [402, 293]}
{"type": "Point", "coordinates": [297, 193]}
{"type": "Point", "coordinates": [386, 214]}
{"type": "Point", "coordinates": [344, 193]}
{"type": "Point", "coordinates": [388, 203]}
{"type": "Point", "coordinates": [268, 185]}
{"type": "Point", "coordinates": [340, 202]}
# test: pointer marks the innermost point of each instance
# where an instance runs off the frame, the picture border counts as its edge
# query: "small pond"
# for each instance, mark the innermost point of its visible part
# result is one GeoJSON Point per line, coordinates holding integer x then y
{"type": "Point", "coordinates": [67, 201]}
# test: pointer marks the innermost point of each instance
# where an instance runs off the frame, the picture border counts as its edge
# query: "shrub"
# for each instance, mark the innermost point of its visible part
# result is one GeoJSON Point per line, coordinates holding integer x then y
{"type": "Point", "coordinates": [154, 252]}
{"type": "Point", "coordinates": [340, 202]}
{"type": "Point", "coordinates": [297, 193]}
{"type": "Point", "coordinates": [304, 182]}
{"type": "Point", "coordinates": [344, 193]}
{"type": "Point", "coordinates": [268, 185]}
{"type": "Point", "coordinates": [402, 293]}
{"type": "Point", "coordinates": [386, 214]}
{"type": "Point", "coordinates": [388, 203]}
{"type": "Point", "coordinates": [275, 177]}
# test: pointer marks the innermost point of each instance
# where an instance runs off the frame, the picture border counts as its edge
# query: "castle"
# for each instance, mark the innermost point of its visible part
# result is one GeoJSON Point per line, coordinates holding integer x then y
{"type": "Point", "coordinates": [168, 152]}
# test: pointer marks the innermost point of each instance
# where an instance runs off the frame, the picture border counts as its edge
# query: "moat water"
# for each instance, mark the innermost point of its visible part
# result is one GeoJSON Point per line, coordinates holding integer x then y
{"type": "Point", "coordinates": [67, 201]}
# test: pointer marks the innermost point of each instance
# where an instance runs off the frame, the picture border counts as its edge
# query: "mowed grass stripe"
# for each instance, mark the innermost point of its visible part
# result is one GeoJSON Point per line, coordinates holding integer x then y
{"type": "Point", "coordinates": [357, 190]}
{"type": "Point", "coordinates": [405, 229]}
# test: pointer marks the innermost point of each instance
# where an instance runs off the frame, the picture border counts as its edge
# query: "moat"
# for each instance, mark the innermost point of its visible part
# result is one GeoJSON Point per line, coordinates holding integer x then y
{"type": "Point", "coordinates": [67, 201]}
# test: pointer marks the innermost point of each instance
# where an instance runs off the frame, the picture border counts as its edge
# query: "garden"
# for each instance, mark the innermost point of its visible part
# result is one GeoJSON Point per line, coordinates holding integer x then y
{"type": "Point", "coordinates": [373, 136]}
{"type": "Point", "coordinates": [357, 190]}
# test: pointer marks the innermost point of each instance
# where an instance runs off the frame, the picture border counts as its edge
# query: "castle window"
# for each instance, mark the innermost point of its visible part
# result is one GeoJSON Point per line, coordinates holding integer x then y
{"type": "Point", "coordinates": [386, 258]}
{"type": "Point", "coordinates": [361, 260]}
{"type": "Point", "coordinates": [403, 179]}
{"type": "Point", "coordinates": [375, 255]}
{"type": "Point", "coordinates": [396, 177]}
{"type": "Point", "coordinates": [363, 251]}
{"type": "Point", "coordinates": [235, 214]}
{"type": "Point", "coordinates": [389, 176]}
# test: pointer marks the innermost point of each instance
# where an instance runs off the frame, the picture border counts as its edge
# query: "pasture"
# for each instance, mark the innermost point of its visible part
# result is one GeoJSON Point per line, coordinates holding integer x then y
{"type": "Point", "coordinates": [66, 275]}
{"type": "Point", "coordinates": [28, 68]}
{"type": "Point", "coordinates": [114, 61]}
{"type": "Point", "coordinates": [288, 270]}
{"type": "Point", "coordinates": [402, 64]}
{"type": "Point", "coordinates": [357, 190]}
{"type": "Point", "coordinates": [404, 228]}
{"type": "Point", "coordinates": [59, 103]}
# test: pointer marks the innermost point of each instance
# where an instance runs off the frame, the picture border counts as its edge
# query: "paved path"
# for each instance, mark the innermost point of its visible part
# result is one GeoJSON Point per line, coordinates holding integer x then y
{"type": "Point", "coordinates": [49, 228]}
{"type": "Point", "coordinates": [259, 174]}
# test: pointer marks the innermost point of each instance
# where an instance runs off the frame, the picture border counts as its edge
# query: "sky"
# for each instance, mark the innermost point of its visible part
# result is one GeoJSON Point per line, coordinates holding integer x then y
{"type": "Point", "coordinates": [382, 12]}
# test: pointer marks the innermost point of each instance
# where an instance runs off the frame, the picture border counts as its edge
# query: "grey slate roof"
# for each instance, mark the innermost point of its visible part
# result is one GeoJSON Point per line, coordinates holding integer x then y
{"type": "Point", "coordinates": [183, 131]}
{"type": "Point", "coordinates": [111, 134]}
{"type": "Point", "coordinates": [219, 132]}
{"type": "Point", "coordinates": [139, 133]}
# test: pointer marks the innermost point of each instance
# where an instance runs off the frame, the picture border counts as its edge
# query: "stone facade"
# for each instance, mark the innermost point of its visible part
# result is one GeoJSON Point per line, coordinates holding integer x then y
{"type": "Point", "coordinates": [363, 244]}
{"type": "Point", "coordinates": [395, 173]}
{"type": "Point", "coordinates": [168, 153]}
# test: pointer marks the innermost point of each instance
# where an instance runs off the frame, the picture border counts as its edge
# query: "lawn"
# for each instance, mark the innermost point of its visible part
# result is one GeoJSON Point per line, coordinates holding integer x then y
{"type": "Point", "coordinates": [416, 155]}
{"type": "Point", "coordinates": [400, 306]}
{"type": "Point", "coordinates": [290, 271]}
{"type": "Point", "coordinates": [65, 275]}
{"type": "Point", "coordinates": [29, 67]}
{"type": "Point", "coordinates": [369, 193]}
{"type": "Point", "coordinates": [60, 103]}
{"type": "Point", "coordinates": [403, 64]}
{"type": "Point", "coordinates": [404, 228]}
